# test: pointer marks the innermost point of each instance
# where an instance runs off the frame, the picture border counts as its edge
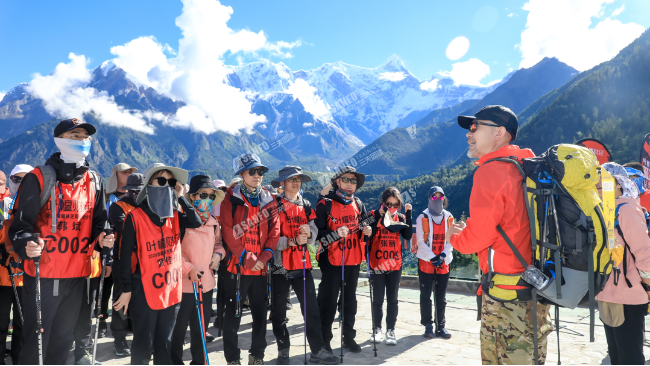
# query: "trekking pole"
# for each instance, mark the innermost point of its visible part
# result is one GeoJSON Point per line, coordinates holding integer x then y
{"type": "Point", "coordinates": [435, 305]}
{"type": "Point", "coordinates": [39, 322]}
{"type": "Point", "coordinates": [238, 304]}
{"type": "Point", "coordinates": [198, 301]}
{"type": "Point", "coordinates": [98, 305]}
{"type": "Point", "coordinates": [304, 298]}
{"type": "Point", "coordinates": [342, 297]}
{"type": "Point", "coordinates": [13, 284]}
{"type": "Point", "coordinates": [372, 312]}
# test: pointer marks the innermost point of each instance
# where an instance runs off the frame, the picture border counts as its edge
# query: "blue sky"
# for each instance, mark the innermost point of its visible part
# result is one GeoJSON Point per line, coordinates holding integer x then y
{"type": "Point", "coordinates": [37, 35]}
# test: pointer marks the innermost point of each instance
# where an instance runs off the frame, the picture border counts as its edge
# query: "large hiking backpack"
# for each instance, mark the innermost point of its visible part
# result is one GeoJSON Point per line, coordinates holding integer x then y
{"type": "Point", "coordinates": [568, 231]}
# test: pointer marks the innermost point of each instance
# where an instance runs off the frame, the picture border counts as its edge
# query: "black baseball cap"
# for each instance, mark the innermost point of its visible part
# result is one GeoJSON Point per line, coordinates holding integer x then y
{"type": "Point", "coordinates": [72, 123]}
{"type": "Point", "coordinates": [497, 114]}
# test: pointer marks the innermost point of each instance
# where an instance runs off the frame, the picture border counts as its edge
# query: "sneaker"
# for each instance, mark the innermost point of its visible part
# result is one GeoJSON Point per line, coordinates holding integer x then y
{"type": "Point", "coordinates": [236, 362]}
{"type": "Point", "coordinates": [87, 359]}
{"type": "Point", "coordinates": [324, 357]}
{"type": "Point", "coordinates": [209, 337]}
{"type": "Point", "coordinates": [428, 331]}
{"type": "Point", "coordinates": [121, 347]}
{"type": "Point", "coordinates": [391, 339]}
{"type": "Point", "coordinates": [443, 333]}
{"type": "Point", "coordinates": [350, 344]}
{"type": "Point", "coordinates": [252, 360]}
{"type": "Point", "coordinates": [377, 336]}
{"type": "Point", "coordinates": [283, 357]}
{"type": "Point", "coordinates": [328, 348]}
{"type": "Point", "coordinates": [101, 333]}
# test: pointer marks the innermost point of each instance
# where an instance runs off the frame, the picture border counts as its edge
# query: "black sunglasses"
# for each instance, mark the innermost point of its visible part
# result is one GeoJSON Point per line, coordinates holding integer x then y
{"type": "Point", "coordinates": [16, 179]}
{"type": "Point", "coordinates": [475, 124]}
{"type": "Point", "coordinates": [259, 171]}
{"type": "Point", "coordinates": [206, 195]}
{"type": "Point", "coordinates": [392, 205]}
{"type": "Point", "coordinates": [162, 181]}
{"type": "Point", "coordinates": [349, 180]}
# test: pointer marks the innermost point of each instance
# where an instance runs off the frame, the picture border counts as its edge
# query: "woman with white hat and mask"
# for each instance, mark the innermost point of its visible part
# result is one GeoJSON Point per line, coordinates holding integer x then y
{"type": "Point", "coordinates": [153, 289]}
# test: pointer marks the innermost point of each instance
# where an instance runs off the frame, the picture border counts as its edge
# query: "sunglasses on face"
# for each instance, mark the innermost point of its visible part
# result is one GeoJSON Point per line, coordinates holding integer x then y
{"type": "Point", "coordinates": [259, 171]}
{"type": "Point", "coordinates": [162, 181]}
{"type": "Point", "coordinates": [392, 205]}
{"type": "Point", "coordinates": [16, 179]}
{"type": "Point", "coordinates": [349, 180]}
{"type": "Point", "coordinates": [433, 198]}
{"type": "Point", "coordinates": [206, 195]}
{"type": "Point", "coordinates": [475, 124]}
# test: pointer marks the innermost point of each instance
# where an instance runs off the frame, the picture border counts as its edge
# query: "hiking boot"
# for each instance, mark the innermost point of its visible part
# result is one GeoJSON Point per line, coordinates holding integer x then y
{"type": "Point", "coordinates": [121, 347]}
{"type": "Point", "coordinates": [428, 331]}
{"type": "Point", "coordinates": [391, 339]}
{"type": "Point", "coordinates": [377, 336]}
{"type": "Point", "coordinates": [443, 333]}
{"type": "Point", "coordinates": [283, 357]}
{"type": "Point", "coordinates": [324, 357]}
{"type": "Point", "coordinates": [252, 360]}
{"type": "Point", "coordinates": [86, 359]}
{"type": "Point", "coordinates": [235, 362]}
{"type": "Point", "coordinates": [350, 344]}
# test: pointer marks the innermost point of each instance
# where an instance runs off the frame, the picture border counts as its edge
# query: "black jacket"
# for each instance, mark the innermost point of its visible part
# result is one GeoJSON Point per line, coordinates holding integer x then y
{"type": "Point", "coordinates": [28, 205]}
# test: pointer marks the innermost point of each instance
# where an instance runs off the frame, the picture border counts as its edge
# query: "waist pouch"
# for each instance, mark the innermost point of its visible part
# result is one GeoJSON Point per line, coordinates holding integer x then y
{"type": "Point", "coordinates": [506, 287]}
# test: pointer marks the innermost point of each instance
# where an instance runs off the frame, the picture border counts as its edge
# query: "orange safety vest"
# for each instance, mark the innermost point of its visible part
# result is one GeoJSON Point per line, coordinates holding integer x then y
{"type": "Point", "coordinates": [386, 250]}
{"type": "Point", "coordinates": [159, 255]}
{"type": "Point", "coordinates": [67, 252]}
{"type": "Point", "coordinates": [4, 240]}
{"type": "Point", "coordinates": [345, 215]}
{"type": "Point", "coordinates": [437, 246]}
{"type": "Point", "coordinates": [250, 239]}
{"type": "Point", "coordinates": [127, 208]}
{"type": "Point", "coordinates": [294, 217]}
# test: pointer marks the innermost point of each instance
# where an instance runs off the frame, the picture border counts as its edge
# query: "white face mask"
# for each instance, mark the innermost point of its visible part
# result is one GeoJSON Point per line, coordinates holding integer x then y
{"type": "Point", "coordinates": [73, 151]}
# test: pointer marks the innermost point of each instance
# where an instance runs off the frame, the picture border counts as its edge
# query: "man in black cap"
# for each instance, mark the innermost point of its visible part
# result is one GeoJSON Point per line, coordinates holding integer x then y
{"type": "Point", "coordinates": [117, 214]}
{"type": "Point", "coordinates": [339, 219]}
{"type": "Point", "coordinates": [498, 223]}
{"type": "Point", "coordinates": [297, 229]}
{"type": "Point", "coordinates": [71, 225]}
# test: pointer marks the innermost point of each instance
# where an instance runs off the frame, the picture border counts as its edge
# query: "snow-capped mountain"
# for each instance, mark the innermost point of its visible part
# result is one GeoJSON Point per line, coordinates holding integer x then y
{"type": "Point", "coordinates": [365, 102]}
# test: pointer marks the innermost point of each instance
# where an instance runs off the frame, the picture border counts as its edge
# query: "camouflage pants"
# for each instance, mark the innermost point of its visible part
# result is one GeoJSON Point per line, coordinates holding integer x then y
{"type": "Point", "coordinates": [507, 332]}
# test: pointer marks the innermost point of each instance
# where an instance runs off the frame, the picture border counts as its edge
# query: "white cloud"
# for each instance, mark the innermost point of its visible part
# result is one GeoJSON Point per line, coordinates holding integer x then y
{"type": "Point", "coordinates": [309, 98]}
{"type": "Point", "coordinates": [65, 95]}
{"type": "Point", "coordinates": [430, 85]}
{"type": "Point", "coordinates": [468, 73]}
{"type": "Point", "coordinates": [457, 48]}
{"type": "Point", "coordinates": [392, 76]}
{"type": "Point", "coordinates": [511, 15]}
{"type": "Point", "coordinates": [618, 11]}
{"type": "Point", "coordinates": [564, 29]}
{"type": "Point", "coordinates": [196, 74]}
{"type": "Point", "coordinates": [2, 94]}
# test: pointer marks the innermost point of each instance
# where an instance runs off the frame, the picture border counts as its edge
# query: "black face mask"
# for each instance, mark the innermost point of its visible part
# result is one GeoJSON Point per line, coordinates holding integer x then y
{"type": "Point", "coordinates": [161, 200]}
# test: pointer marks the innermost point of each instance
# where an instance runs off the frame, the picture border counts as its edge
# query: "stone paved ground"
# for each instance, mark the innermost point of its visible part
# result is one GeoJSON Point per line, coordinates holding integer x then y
{"type": "Point", "coordinates": [412, 348]}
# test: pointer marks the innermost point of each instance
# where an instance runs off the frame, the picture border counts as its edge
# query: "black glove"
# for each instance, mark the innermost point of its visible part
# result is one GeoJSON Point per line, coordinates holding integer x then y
{"type": "Point", "coordinates": [438, 260]}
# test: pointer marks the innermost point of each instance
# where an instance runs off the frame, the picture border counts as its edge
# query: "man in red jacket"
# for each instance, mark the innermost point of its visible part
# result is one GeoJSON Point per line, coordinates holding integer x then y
{"type": "Point", "coordinates": [251, 229]}
{"type": "Point", "coordinates": [497, 200]}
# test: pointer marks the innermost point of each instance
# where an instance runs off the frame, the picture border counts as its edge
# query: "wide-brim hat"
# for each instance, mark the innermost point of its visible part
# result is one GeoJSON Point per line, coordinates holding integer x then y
{"type": "Point", "coordinates": [179, 174]}
{"type": "Point", "coordinates": [248, 161]}
{"type": "Point", "coordinates": [287, 172]}
{"type": "Point", "coordinates": [199, 182]}
{"type": "Point", "coordinates": [361, 178]}
{"type": "Point", "coordinates": [111, 186]}
{"type": "Point", "coordinates": [135, 182]}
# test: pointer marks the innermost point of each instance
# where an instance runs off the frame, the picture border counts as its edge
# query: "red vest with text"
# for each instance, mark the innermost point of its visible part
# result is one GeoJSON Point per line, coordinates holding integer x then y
{"type": "Point", "coordinates": [250, 239]}
{"type": "Point", "coordinates": [292, 217]}
{"type": "Point", "coordinates": [67, 252]}
{"type": "Point", "coordinates": [345, 215]}
{"type": "Point", "coordinates": [386, 250]}
{"type": "Point", "coordinates": [159, 255]}
{"type": "Point", "coordinates": [437, 246]}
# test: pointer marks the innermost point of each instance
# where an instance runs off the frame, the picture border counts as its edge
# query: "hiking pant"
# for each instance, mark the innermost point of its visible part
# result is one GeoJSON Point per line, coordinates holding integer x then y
{"type": "Point", "coordinates": [625, 342]}
{"type": "Point", "coordinates": [152, 329]}
{"type": "Point", "coordinates": [281, 288]}
{"type": "Point", "coordinates": [7, 300]}
{"type": "Point", "coordinates": [188, 314]}
{"type": "Point", "coordinates": [388, 283]}
{"type": "Point", "coordinates": [507, 332]}
{"type": "Point", "coordinates": [328, 294]}
{"type": "Point", "coordinates": [430, 282]}
{"type": "Point", "coordinates": [106, 299]}
{"type": "Point", "coordinates": [59, 314]}
{"type": "Point", "coordinates": [119, 327]}
{"type": "Point", "coordinates": [83, 335]}
{"type": "Point", "coordinates": [253, 287]}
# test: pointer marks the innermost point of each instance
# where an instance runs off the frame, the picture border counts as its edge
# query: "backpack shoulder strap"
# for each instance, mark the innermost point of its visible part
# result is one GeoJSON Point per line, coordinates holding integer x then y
{"type": "Point", "coordinates": [96, 179]}
{"type": "Point", "coordinates": [307, 207]}
{"type": "Point", "coordinates": [49, 181]}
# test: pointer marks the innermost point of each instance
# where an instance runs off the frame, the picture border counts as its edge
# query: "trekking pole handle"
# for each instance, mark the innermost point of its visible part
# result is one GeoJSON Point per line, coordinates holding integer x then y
{"type": "Point", "coordinates": [106, 250]}
{"type": "Point", "coordinates": [35, 237]}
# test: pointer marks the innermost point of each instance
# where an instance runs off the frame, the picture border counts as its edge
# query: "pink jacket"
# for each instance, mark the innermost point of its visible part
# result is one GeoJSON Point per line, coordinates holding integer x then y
{"type": "Point", "coordinates": [197, 248]}
{"type": "Point", "coordinates": [632, 222]}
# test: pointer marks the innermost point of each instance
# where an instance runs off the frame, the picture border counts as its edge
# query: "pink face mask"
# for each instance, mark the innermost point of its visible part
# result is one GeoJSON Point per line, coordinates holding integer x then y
{"type": "Point", "coordinates": [391, 210]}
